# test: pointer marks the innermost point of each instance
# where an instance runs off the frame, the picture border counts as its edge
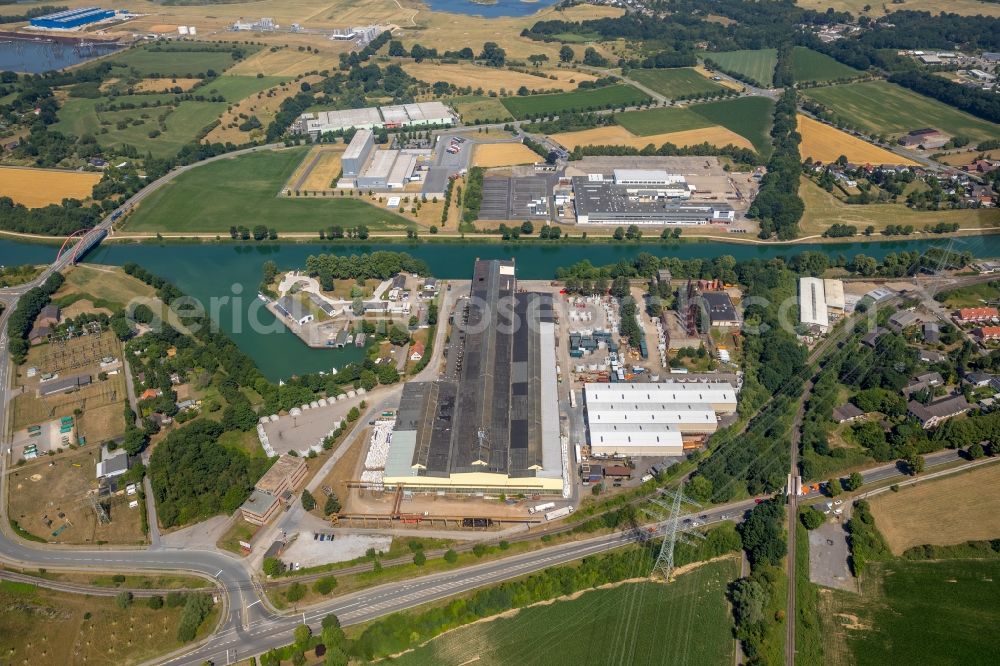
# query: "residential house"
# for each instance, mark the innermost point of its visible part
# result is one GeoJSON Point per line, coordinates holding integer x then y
{"type": "Point", "coordinates": [847, 413]}
{"type": "Point", "coordinates": [39, 334]}
{"type": "Point", "coordinates": [417, 351]}
{"type": "Point", "coordinates": [978, 379]}
{"type": "Point", "coordinates": [982, 166]}
{"type": "Point", "coordinates": [932, 332]}
{"type": "Point", "coordinates": [987, 333]}
{"type": "Point", "coordinates": [430, 287]}
{"type": "Point", "coordinates": [971, 315]}
{"type": "Point", "coordinates": [150, 393]}
{"type": "Point", "coordinates": [869, 338]}
{"type": "Point", "coordinates": [925, 381]}
{"type": "Point", "coordinates": [939, 410]}
{"type": "Point", "coordinates": [931, 356]}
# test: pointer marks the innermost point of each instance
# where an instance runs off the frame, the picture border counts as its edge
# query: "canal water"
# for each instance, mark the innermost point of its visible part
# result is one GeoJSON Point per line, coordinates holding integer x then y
{"type": "Point", "coordinates": [233, 271]}
{"type": "Point", "coordinates": [19, 55]}
{"type": "Point", "coordinates": [498, 8]}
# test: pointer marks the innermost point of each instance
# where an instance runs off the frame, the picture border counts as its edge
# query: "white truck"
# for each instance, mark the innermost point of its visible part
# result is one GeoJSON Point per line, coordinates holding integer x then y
{"type": "Point", "coordinates": [559, 513]}
{"type": "Point", "coordinates": [542, 507]}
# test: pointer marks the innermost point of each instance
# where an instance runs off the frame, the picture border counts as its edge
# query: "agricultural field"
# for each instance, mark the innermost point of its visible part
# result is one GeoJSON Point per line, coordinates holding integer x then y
{"type": "Point", "coordinates": [581, 100]}
{"type": "Point", "coordinates": [915, 613]}
{"type": "Point", "coordinates": [283, 62]}
{"type": "Point", "coordinates": [163, 85]}
{"type": "Point", "coordinates": [810, 66]}
{"type": "Point", "coordinates": [674, 83]}
{"type": "Point", "coordinates": [40, 626]}
{"type": "Point", "coordinates": [968, 156]}
{"type": "Point", "coordinates": [36, 188]}
{"type": "Point", "coordinates": [263, 104]}
{"type": "Point", "coordinates": [503, 154]}
{"type": "Point", "coordinates": [479, 109]}
{"type": "Point", "coordinates": [880, 107]}
{"type": "Point", "coordinates": [175, 59]}
{"type": "Point", "coordinates": [687, 622]}
{"type": "Point", "coordinates": [319, 169]}
{"type": "Point", "coordinates": [466, 75]}
{"type": "Point", "coordinates": [857, 7]}
{"type": "Point", "coordinates": [825, 143]}
{"type": "Point", "coordinates": [822, 209]}
{"type": "Point", "coordinates": [617, 135]}
{"type": "Point", "coordinates": [749, 117]}
{"type": "Point", "coordinates": [757, 65]}
{"type": "Point", "coordinates": [244, 191]}
{"type": "Point", "coordinates": [942, 511]}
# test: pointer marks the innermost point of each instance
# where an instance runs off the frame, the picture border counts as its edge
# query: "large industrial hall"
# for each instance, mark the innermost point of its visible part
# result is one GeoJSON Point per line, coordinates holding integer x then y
{"type": "Point", "coordinates": [497, 427]}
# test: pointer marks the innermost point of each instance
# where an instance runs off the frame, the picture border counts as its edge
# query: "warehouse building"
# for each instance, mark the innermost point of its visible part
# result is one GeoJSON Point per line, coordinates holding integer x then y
{"type": "Point", "coordinates": [390, 117]}
{"type": "Point", "coordinates": [813, 310]}
{"type": "Point", "coordinates": [600, 201]}
{"type": "Point", "coordinates": [358, 152]}
{"type": "Point", "coordinates": [653, 419]}
{"type": "Point", "coordinates": [387, 170]}
{"type": "Point", "coordinates": [70, 19]}
{"type": "Point", "coordinates": [496, 427]}
{"type": "Point", "coordinates": [653, 183]}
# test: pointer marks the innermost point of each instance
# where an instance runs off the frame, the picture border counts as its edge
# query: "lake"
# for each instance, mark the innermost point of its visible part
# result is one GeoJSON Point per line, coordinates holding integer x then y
{"type": "Point", "coordinates": [20, 55]}
{"type": "Point", "coordinates": [208, 271]}
{"type": "Point", "coordinates": [499, 8]}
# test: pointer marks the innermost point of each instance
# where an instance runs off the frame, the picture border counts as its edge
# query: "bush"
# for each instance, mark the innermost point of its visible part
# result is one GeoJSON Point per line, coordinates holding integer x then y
{"type": "Point", "coordinates": [175, 599]}
{"type": "Point", "coordinates": [295, 592]}
{"type": "Point", "coordinates": [867, 544]}
{"type": "Point", "coordinates": [419, 558]}
{"type": "Point", "coordinates": [325, 585]}
{"type": "Point", "coordinates": [812, 518]}
{"type": "Point", "coordinates": [123, 600]}
{"type": "Point", "coordinates": [308, 501]}
{"type": "Point", "coordinates": [155, 602]}
{"type": "Point", "coordinates": [479, 549]}
{"type": "Point", "coordinates": [451, 556]}
{"type": "Point", "coordinates": [196, 609]}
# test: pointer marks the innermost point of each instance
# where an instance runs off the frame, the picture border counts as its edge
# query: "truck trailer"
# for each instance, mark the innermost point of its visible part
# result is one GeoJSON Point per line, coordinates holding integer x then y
{"type": "Point", "coordinates": [559, 513]}
{"type": "Point", "coordinates": [542, 507]}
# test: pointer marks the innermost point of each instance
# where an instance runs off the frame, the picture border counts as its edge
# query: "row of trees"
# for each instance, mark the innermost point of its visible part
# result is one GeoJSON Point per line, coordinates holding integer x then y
{"type": "Point", "coordinates": [778, 207]}
{"type": "Point", "coordinates": [379, 265]}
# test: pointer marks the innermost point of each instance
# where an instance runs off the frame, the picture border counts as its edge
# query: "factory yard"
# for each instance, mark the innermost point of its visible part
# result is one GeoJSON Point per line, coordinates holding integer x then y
{"type": "Point", "coordinates": [36, 188]}
{"type": "Point", "coordinates": [616, 135]}
{"type": "Point", "coordinates": [928, 513]}
{"type": "Point", "coordinates": [51, 499]}
{"type": "Point", "coordinates": [825, 143]}
{"type": "Point", "coordinates": [503, 154]}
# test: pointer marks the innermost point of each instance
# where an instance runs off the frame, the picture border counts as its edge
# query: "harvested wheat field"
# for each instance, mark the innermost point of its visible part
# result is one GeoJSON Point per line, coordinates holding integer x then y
{"type": "Point", "coordinates": [825, 144]}
{"type": "Point", "coordinates": [164, 85]}
{"type": "Point", "coordinates": [946, 511]}
{"type": "Point", "coordinates": [503, 154]}
{"type": "Point", "coordinates": [616, 135]}
{"type": "Point", "coordinates": [40, 187]}
{"type": "Point", "coordinates": [491, 78]}
{"type": "Point", "coordinates": [284, 62]}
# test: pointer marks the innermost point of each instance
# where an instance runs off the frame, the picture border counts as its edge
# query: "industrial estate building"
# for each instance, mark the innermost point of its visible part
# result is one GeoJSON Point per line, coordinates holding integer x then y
{"type": "Point", "coordinates": [643, 197]}
{"type": "Point", "coordinates": [390, 117]}
{"type": "Point", "coordinates": [653, 419]}
{"type": "Point", "coordinates": [367, 168]}
{"type": "Point", "coordinates": [820, 301]}
{"type": "Point", "coordinates": [71, 19]}
{"type": "Point", "coordinates": [277, 484]}
{"type": "Point", "coordinates": [496, 426]}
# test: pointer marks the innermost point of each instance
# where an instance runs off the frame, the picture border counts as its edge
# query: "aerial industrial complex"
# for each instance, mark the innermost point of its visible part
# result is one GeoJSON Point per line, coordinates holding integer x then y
{"type": "Point", "coordinates": [390, 117]}
{"type": "Point", "coordinates": [496, 427]}
{"type": "Point", "coordinates": [643, 197]}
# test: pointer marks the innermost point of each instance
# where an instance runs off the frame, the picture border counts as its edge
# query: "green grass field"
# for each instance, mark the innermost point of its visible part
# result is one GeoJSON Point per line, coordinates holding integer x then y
{"type": "Point", "coordinates": [758, 65]}
{"type": "Point", "coordinates": [175, 60]}
{"type": "Point", "coordinates": [578, 100]}
{"type": "Point", "coordinates": [235, 88]}
{"type": "Point", "coordinates": [473, 108]}
{"type": "Point", "coordinates": [747, 116]}
{"type": "Point", "coordinates": [925, 613]}
{"type": "Point", "coordinates": [687, 622]}
{"type": "Point", "coordinates": [242, 191]}
{"type": "Point", "coordinates": [809, 65]}
{"type": "Point", "coordinates": [674, 83]}
{"type": "Point", "coordinates": [657, 121]}
{"type": "Point", "coordinates": [183, 122]}
{"type": "Point", "coordinates": [881, 107]}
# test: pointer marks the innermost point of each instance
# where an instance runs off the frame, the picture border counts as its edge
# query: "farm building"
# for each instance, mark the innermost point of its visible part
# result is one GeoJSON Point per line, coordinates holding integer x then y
{"type": "Point", "coordinates": [926, 137]}
{"type": "Point", "coordinates": [70, 19]}
{"type": "Point", "coordinates": [497, 425]}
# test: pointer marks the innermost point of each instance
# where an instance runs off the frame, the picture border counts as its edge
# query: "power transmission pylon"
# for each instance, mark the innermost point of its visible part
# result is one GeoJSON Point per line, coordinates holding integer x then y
{"type": "Point", "coordinates": [668, 513]}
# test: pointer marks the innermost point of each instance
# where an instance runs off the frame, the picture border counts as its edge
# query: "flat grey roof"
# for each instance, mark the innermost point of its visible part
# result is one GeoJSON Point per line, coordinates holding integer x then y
{"type": "Point", "coordinates": [357, 145]}
{"type": "Point", "coordinates": [604, 197]}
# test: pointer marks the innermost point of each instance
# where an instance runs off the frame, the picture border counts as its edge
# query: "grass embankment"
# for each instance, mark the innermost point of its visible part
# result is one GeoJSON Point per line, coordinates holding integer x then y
{"type": "Point", "coordinates": [243, 191]}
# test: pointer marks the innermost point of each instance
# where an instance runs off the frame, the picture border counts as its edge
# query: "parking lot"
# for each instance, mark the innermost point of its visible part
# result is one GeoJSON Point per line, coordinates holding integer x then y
{"type": "Point", "coordinates": [829, 555]}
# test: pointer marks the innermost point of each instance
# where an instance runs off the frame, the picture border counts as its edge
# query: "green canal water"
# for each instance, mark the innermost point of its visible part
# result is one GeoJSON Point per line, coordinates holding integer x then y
{"type": "Point", "coordinates": [212, 271]}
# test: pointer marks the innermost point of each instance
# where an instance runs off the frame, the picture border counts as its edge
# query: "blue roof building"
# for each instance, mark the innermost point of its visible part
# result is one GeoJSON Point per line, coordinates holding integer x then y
{"type": "Point", "coordinates": [72, 18]}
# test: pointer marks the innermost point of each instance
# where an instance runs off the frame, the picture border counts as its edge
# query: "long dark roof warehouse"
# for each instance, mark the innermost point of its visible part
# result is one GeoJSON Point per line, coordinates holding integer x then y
{"type": "Point", "coordinates": [497, 425]}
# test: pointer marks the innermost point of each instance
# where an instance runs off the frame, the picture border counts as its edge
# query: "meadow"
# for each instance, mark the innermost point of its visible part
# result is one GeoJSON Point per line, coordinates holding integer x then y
{"type": "Point", "coordinates": [479, 109]}
{"type": "Point", "coordinates": [244, 191]}
{"type": "Point", "coordinates": [881, 107]}
{"type": "Point", "coordinates": [687, 622]}
{"type": "Point", "coordinates": [661, 121]}
{"type": "Point", "coordinates": [809, 66]}
{"type": "Point", "coordinates": [757, 65]}
{"type": "Point", "coordinates": [675, 83]}
{"type": "Point", "coordinates": [750, 117]}
{"type": "Point", "coordinates": [579, 100]}
{"type": "Point", "coordinates": [917, 613]}
{"type": "Point", "coordinates": [177, 59]}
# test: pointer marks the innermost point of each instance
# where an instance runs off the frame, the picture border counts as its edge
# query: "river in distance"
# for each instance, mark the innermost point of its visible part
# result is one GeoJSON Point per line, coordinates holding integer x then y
{"type": "Point", "coordinates": [489, 9]}
{"type": "Point", "coordinates": [207, 271]}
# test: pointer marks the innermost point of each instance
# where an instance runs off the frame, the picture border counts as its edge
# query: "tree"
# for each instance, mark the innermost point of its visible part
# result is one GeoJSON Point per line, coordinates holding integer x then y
{"type": "Point", "coordinates": [812, 518]}
{"type": "Point", "coordinates": [419, 558]}
{"type": "Point", "coordinates": [325, 585]}
{"type": "Point", "coordinates": [295, 592]}
{"type": "Point", "coordinates": [308, 501]}
{"type": "Point", "coordinates": [976, 451]}
{"type": "Point", "coordinates": [566, 54]}
{"type": "Point", "coordinates": [853, 482]}
{"type": "Point", "coordinates": [527, 227]}
{"type": "Point", "coordinates": [302, 634]}
{"type": "Point", "coordinates": [259, 232]}
{"type": "Point", "coordinates": [155, 602]}
{"type": "Point", "coordinates": [331, 506]}
{"type": "Point", "coordinates": [914, 463]}
{"type": "Point", "coordinates": [273, 567]}
{"type": "Point", "coordinates": [123, 599]}
{"type": "Point", "coordinates": [450, 556]}
{"type": "Point", "coordinates": [833, 487]}
{"type": "Point", "coordinates": [619, 233]}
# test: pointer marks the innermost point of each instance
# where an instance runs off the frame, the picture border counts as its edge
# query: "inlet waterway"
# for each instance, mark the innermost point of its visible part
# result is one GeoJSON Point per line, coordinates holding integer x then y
{"type": "Point", "coordinates": [214, 271]}
{"type": "Point", "coordinates": [489, 8]}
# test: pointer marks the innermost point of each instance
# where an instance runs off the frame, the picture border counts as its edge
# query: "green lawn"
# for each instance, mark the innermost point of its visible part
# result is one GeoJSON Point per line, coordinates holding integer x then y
{"type": "Point", "coordinates": [972, 296]}
{"type": "Point", "coordinates": [578, 100]}
{"type": "Point", "coordinates": [674, 83]}
{"type": "Point", "coordinates": [168, 59]}
{"type": "Point", "coordinates": [757, 65]}
{"type": "Point", "coordinates": [479, 108]}
{"type": "Point", "coordinates": [809, 65]}
{"type": "Point", "coordinates": [882, 107]}
{"type": "Point", "coordinates": [242, 191]}
{"type": "Point", "coordinates": [235, 88]}
{"type": "Point", "coordinates": [686, 622]}
{"type": "Point", "coordinates": [747, 116]}
{"type": "Point", "coordinates": [926, 613]}
{"type": "Point", "coordinates": [659, 121]}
